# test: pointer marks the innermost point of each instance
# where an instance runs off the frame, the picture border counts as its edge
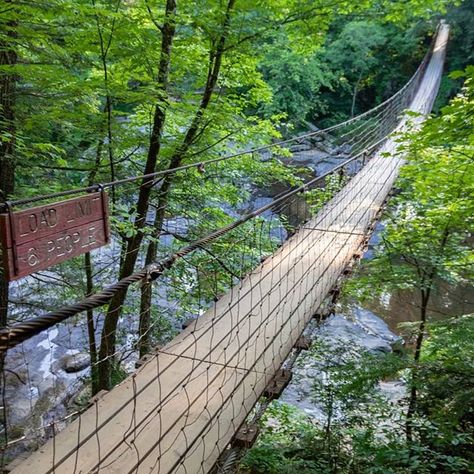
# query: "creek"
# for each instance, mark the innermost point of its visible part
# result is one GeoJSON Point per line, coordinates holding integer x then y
{"type": "Point", "coordinates": [374, 327]}
{"type": "Point", "coordinates": [46, 373]}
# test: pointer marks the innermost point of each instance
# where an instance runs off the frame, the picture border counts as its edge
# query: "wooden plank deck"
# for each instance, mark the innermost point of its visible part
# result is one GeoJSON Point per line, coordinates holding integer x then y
{"type": "Point", "coordinates": [179, 411]}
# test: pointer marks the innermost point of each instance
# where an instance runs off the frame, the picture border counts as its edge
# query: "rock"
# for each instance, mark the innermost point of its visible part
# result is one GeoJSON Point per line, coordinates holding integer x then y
{"type": "Point", "coordinates": [311, 127]}
{"type": "Point", "coordinates": [360, 329]}
{"type": "Point", "coordinates": [319, 138]}
{"type": "Point", "coordinates": [323, 146]}
{"type": "Point", "coordinates": [75, 362]}
{"type": "Point", "coordinates": [374, 325]}
{"type": "Point", "coordinates": [266, 155]}
{"type": "Point", "coordinates": [339, 329]}
{"type": "Point", "coordinates": [309, 157]}
{"type": "Point", "coordinates": [344, 149]}
{"type": "Point", "coordinates": [301, 147]}
{"type": "Point", "coordinates": [393, 390]}
{"type": "Point", "coordinates": [16, 379]}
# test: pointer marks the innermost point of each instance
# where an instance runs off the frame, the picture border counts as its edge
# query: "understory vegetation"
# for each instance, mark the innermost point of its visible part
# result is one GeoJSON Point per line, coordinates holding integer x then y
{"type": "Point", "coordinates": [427, 240]}
{"type": "Point", "coordinates": [362, 431]}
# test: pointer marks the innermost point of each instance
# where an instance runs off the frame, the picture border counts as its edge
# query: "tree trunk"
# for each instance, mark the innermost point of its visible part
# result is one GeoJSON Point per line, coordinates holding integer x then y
{"type": "Point", "coordinates": [8, 58]}
{"type": "Point", "coordinates": [426, 287]}
{"type": "Point", "coordinates": [354, 95]}
{"type": "Point", "coordinates": [107, 346]}
{"type": "Point", "coordinates": [88, 267]}
{"type": "Point", "coordinates": [215, 61]}
{"type": "Point", "coordinates": [104, 51]}
{"type": "Point", "coordinates": [425, 297]}
{"type": "Point", "coordinates": [90, 323]}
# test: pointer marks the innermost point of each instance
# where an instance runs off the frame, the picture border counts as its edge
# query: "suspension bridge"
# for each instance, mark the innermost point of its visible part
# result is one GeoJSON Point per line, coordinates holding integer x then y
{"type": "Point", "coordinates": [190, 401]}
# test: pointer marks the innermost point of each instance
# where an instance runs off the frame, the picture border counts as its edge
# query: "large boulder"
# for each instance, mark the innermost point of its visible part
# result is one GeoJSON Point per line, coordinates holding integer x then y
{"type": "Point", "coordinates": [374, 325]}
{"type": "Point", "coordinates": [75, 362]}
{"type": "Point", "coordinates": [298, 148]}
{"type": "Point", "coordinates": [340, 330]}
{"type": "Point", "coordinates": [361, 328]}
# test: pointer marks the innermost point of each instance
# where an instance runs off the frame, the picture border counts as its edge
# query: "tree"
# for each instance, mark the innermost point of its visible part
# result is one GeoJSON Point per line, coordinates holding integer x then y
{"type": "Point", "coordinates": [107, 346]}
{"type": "Point", "coordinates": [92, 88]}
{"type": "Point", "coordinates": [296, 81]}
{"type": "Point", "coordinates": [360, 62]}
{"type": "Point", "coordinates": [446, 389]}
{"type": "Point", "coordinates": [8, 59]}
{"type": "Point", "coordinates": [460, 53]}
{"type": "Point", "coordinates": [359, 429]}
{"type": "Point", "coordinates": [353, 54]}
{"type": "Point", "coordinates": [425, 240]}
{"type": "Point", "coordinates": [224, 42]}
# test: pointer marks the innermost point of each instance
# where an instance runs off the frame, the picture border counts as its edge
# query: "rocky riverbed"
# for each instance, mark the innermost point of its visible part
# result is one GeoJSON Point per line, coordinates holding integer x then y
{"type": "Point", "coordinates": [46, 372]}
{"type": "Point", "coordinates": [358, 330]}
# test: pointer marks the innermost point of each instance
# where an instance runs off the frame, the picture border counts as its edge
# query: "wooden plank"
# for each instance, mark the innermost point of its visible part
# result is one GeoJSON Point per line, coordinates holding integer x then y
{"type": "Point", "coordinates": [246, 436]}
{"type": "Point", "coordinates": [273, 363]}
{"type": "Point", "coordinates": [314, 242]}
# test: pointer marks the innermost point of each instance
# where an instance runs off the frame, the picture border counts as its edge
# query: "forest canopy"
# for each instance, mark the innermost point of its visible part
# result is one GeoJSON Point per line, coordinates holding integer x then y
{"type": "Point", "coordinates": [83, 78]}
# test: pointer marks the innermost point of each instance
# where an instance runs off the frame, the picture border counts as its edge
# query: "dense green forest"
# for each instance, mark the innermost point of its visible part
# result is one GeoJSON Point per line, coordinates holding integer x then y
{"type": "Point", "coordinates": [427, 241]}
{"type": "Point", "coordinates": [99, 91]}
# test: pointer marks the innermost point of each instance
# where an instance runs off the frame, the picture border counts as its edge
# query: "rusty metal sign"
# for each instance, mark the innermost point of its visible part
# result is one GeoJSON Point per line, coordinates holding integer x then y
{"type": "Point", "coordinates": [38, 238]}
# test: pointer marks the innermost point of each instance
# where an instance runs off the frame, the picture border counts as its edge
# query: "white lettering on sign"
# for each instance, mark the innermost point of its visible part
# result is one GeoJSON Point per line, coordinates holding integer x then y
{"type": "Point", "coordinates": [32, 257]}
{"type": "Point", "coordinates": [68, 244]}
{"type": "Point", "coordinates": [50, 219]}
{"type": "Point", "coordinates": [81, 209]}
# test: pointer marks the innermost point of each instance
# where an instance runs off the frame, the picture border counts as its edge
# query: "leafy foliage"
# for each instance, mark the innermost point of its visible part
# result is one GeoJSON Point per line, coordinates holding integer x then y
{"type": "Point", "coordinates": [365, 434]}
{"type": "Point", "coordinates": [360, 62]}
{"type": "Point", "coordinates": [431, 218]}
{"type": "Point", "coordinates": [83, 82]}
{"type": "Point", "coordinates": [426, 240]}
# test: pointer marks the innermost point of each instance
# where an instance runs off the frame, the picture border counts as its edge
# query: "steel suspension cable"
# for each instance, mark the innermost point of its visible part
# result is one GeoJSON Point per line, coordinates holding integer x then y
{"type": "Point", "coordinates": [19, 332]}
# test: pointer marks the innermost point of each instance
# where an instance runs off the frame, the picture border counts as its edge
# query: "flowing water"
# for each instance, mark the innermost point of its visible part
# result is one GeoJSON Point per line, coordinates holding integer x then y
{"type": "Point", "coordinates": [375, 327]}
{"type": "Point", "coordinates": [39, 389]}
